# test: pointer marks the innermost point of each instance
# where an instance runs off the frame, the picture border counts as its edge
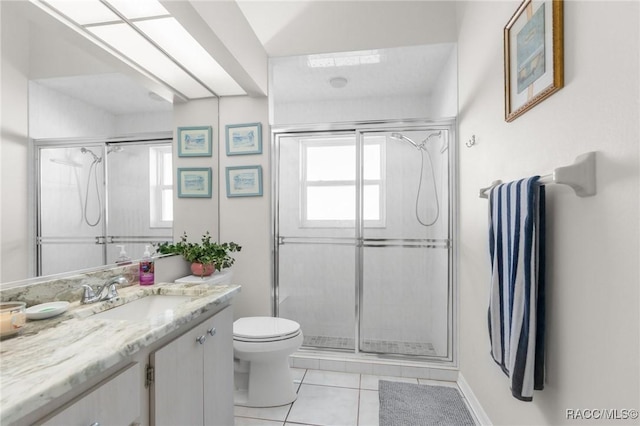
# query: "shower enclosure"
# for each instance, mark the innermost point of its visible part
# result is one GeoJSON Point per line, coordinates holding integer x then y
{"type": "Point", "coordinates": [94, 196]}
{"type": "Point", "coordinates": [363, 231]}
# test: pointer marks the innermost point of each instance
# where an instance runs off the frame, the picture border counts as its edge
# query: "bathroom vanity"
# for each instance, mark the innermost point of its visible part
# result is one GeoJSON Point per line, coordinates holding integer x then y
{"type": "Point", "coordinates": [147, 368]}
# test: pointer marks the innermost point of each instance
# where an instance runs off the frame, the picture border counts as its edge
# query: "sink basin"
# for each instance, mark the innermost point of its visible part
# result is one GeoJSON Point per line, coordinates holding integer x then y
{"type": "Point", "coordinates": [143, 308]}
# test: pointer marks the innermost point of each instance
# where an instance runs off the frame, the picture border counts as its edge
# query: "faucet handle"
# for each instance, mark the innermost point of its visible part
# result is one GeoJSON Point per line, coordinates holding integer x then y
{"type": "Point", "coordinates": [112, 292]}
{"type": "Point", "coordinates": [88, 295]}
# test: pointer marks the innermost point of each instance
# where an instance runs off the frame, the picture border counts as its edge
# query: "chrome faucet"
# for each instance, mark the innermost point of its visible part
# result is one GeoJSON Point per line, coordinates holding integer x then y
{"type": "Point", "coordinates": [91, 296]}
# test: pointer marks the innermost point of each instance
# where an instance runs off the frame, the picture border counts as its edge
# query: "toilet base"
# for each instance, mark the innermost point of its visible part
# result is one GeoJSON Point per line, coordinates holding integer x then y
{"type": "Point", "coordinates": [268, 384]}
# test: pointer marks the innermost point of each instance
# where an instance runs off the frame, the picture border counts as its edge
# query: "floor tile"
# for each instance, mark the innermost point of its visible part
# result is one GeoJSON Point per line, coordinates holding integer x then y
{"type": "Point", "coordinates": [370, 382]}
{"type": "Point", "coordinates": [332, 378]}
{"type": "Point", "coordinates": [369, 409]}
{"type": "Point", "coordinates": [245, 421]}
{"type": "Point", "coordinates": [298, 375]}
{"type": "Point", "coordinates": [270, 413]}
{"type": "Point", "coordinates": [325, 406]}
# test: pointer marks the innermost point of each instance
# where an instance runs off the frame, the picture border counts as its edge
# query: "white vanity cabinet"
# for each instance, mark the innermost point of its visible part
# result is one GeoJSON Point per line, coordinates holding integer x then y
{"type": "Point", "coordinates": [114, 402]}
{"type": "Point", "coordinates": [193, 376]}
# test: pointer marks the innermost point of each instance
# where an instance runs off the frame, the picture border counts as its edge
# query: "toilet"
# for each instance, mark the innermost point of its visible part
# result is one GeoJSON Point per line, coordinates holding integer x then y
{"type": "Point", "coordinates": [261, 349]}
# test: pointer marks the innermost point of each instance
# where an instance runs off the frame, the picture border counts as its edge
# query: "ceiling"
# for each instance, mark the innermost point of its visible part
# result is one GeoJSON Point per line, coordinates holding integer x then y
{"type": "Point", "coordinates": [398, 30]}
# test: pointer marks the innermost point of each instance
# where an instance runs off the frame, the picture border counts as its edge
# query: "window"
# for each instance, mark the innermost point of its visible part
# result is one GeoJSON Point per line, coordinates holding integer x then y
{"type": "Point", "coordinates": [328, 176]}
{"type": "Point", "coordinates": [160, 187]}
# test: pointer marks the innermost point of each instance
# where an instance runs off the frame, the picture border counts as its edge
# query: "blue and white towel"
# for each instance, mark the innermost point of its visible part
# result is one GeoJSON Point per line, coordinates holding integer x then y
{"type": "Point", "coordinates": [516, 301]}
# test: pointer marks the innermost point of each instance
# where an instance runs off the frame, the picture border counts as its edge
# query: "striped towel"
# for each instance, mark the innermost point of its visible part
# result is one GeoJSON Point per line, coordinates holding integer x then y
{"type": "Point", "coordinates": [516, 301]}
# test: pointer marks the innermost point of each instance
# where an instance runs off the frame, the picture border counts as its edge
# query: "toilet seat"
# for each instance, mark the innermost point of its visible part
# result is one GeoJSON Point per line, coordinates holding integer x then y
{"type": "Point", "coordinates": [264, 329]}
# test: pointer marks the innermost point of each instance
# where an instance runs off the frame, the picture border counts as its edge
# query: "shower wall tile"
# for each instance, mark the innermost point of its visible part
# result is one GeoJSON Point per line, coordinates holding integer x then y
{"type": "Point", "coordinates": [387, 370]}
{"type": "Point", "coordinates": [450, 375]}
{"type": "Point", "coordinates": [418, 372]}
{"type": "Point", "coordinates": [306, 363]}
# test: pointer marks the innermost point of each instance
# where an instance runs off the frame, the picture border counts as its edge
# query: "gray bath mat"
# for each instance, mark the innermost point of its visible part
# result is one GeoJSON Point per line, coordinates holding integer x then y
{"type": "Point", "coordinates": [407, 404]}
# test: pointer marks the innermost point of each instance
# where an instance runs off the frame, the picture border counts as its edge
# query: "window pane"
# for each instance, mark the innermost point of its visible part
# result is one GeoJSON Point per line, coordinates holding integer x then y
{"type": "Point", "coordinates": [371, 160]}
{"type": "Point", "coordinates": [167, 204]}
{"type": "Point", "coordinates": [371, 202]}
{"type": "Point", "coordinates": [331, 202]}
{"type": "Point", "coordinates": [331, 163]}
{"type": "Point", "coordinates": [167, 171]}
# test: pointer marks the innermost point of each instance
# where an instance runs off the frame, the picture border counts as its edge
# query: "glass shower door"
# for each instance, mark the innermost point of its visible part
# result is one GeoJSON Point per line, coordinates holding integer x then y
{"type": "Point", "coordinates": [71, 205]}
{"type": "Point", "coordinates": [405, 254]}
{"type": "Point", "coordinates": [316, 245]}
{"type": "Point", "coordinates": [139, 196]}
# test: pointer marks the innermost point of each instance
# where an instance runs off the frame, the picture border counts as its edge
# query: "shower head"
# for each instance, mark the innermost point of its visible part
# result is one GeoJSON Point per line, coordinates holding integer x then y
{"type": "Point", "coordinates": [445, 144]}
{"type": "Point", "coordinates": [401, 137]}
{"type": "Point", "coordinates": [95, 157]}
{"type": "Point", "coordinates": [114, 148]}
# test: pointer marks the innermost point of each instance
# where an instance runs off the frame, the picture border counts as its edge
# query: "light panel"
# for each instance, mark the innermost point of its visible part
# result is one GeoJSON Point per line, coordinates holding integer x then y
{"type": "Point", "coordinates": [177, 42]}
{"type": "Point", "coordinates": [84, 12]}
{"type": "Point", "coordinates": [179, 57]}
{"type": "Point", "coordinates": [326, 60]}
{"type": "Point", "coordinates": [139, 8]}
{"type": "Point", "coordinates": [135, 47]}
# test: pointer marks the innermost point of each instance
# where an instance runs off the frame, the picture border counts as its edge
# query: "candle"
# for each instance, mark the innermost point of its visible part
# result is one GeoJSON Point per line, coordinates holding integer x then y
{"type": "Point", "coordinates": [12, 317]}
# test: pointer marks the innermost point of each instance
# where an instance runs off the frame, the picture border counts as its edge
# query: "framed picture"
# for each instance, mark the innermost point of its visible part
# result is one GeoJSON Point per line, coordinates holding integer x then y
{"type": "Point", "coordinates": [194, 182]}
{"type": "Point", "coordinates": [243, 139]}
{"type": "Point", "coordinates": [244, 181]}
{"type": "Point", "coordinates": [194, 141]}
{"type": "Point", "coordinates": [533, 55]}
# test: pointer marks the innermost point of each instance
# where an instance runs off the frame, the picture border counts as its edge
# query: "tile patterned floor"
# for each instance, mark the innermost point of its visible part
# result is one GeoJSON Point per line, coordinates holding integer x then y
{"type": "Point", "coordinates": [376, 346]}
{"type": "Point", "coordinates": [327, 398]}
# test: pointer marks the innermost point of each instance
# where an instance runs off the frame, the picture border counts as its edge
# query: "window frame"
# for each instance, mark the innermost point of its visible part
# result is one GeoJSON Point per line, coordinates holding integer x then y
{"type": "Point", "coordinates": [157, 185]}
{"type": "Point", "coordinates": [305, 183]}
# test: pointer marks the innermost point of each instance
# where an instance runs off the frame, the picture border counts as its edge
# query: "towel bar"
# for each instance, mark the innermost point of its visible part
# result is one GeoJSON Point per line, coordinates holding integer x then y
{"type": "Point", "coordinates": [581, 176]}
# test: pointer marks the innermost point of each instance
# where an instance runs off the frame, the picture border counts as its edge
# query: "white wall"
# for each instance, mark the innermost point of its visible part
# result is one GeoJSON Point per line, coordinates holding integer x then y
{"type": "Point", "coordinates": [13, 148]}
{"type": "Point", "coordinates": [195, 216]}
{"type": "Point", "coordinates": [593, 327]}
{"type": "Point", "coordinates": [247, 220]}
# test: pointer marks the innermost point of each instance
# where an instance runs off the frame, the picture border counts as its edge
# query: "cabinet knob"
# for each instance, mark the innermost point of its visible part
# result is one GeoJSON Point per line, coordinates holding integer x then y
{"type": "Point", "coordinates": [201, 339]}
{"type": "Point", "coordinates": [212, 331]}
{"type": "Point", "coordinates": [95, 424]}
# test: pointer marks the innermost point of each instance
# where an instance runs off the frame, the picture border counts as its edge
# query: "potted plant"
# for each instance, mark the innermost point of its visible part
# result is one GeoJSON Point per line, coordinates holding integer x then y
{"type": "Point", "coordinates": [205, 257]}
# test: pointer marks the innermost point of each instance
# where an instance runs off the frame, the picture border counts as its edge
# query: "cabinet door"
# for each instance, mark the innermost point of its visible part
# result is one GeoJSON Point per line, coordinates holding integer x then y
{"type": "Point", "coordinates": [218, 367]}
{"type": "Point", "coordinates": [176, 393]}
{"type": "Point", "coordinates": [114, 402]}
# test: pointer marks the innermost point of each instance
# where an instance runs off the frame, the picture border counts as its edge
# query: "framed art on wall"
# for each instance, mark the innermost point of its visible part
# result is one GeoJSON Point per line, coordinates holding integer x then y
{"type": "Point", "coordinates": [194, 141]}
{"type": "Point", "coordinates": [244, 181]}
{"type": "Point", "coordinates": [533, 55]}
{"type": "Point", "coordinates": [243, 139]}
{"type": "Point", "coordinates": [194, 182]}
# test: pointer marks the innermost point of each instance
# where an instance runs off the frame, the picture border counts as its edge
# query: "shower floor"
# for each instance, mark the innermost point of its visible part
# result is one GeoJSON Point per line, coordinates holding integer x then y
{"type": "Point", "coordinates": [375, 346]}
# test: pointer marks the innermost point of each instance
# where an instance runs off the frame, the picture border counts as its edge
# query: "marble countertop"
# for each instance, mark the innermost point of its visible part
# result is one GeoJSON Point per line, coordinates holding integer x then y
{"type": "Point", "coordinates": [52, 356]}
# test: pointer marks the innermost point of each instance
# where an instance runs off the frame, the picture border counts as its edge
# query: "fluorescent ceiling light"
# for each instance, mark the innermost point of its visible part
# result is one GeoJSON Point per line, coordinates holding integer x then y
{"type": "Point", "coordinates": [326, 60]}
{"type": "Point", "coordinates": [177, 42]}
{"type": "Point", "coordinates": [149, 39]}
{"type": "Point", "coordinates": [126, 40]}
{"type": "Point", "coordinates": [139, 8]}
{"type": "Point", "coordinates": [84, 12]}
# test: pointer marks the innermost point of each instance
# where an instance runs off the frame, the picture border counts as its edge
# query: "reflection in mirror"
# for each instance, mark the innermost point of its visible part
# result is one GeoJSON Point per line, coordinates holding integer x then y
{"type": "Point", "coordinates": [66, 94]}
{"type": "Point", "coordinates": [96, 200]}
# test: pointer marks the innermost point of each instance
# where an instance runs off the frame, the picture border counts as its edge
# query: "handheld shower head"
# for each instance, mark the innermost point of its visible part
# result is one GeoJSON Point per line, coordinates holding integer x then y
{"type": "Point", "coordinates": [95, 157]}
{"type": "Point", "coordinates": [401, 137]}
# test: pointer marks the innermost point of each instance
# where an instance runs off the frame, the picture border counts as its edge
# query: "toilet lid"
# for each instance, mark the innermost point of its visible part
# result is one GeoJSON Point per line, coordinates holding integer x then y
{"type": "Point", "coordinates": [264, 328]}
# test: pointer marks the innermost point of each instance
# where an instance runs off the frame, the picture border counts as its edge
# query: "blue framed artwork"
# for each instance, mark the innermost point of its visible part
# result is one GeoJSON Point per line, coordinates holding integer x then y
{"type": "Point", "coordinates": [194, 182]}
{"type": "Point", "coordinates": [244, 139]}
{"type": "Point", "coordinates": [533, 55]}
{"type": "Point", "coordinates": [194, 141]}
{"type": "Point", "coordinates": [244, 181]}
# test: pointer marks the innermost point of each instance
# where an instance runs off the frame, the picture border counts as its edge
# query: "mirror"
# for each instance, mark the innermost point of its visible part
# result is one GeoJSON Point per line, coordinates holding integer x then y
{"type": "Point", "coordinates": [93, 133]}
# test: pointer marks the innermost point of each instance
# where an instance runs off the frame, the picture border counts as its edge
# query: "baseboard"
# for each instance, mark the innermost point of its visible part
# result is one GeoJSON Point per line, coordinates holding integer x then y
{"type": "Point", "coordinates": [478, 411]}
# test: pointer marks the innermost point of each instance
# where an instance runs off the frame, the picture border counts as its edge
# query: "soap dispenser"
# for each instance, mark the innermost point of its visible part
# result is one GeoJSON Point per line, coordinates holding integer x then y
{"type": "Point", "coordinates": [146, 268]}
{"type": "Point", "coordinates": [123, 259]}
